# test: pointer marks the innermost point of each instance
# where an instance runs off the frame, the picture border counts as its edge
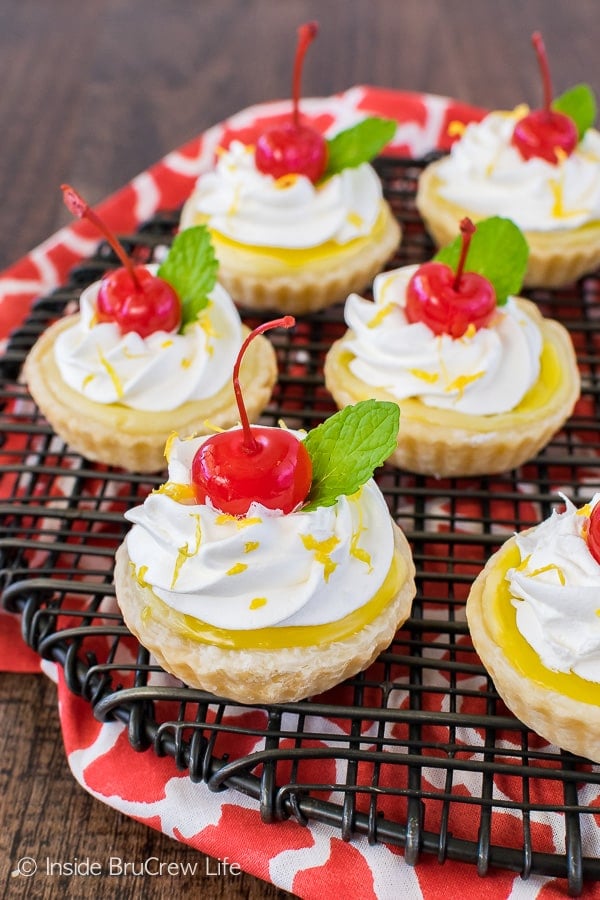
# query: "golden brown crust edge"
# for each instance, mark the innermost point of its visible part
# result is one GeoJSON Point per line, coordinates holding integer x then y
{"type": "Point", "coordinates": [311, 289]}
{"type": "Point", "coordinates": [131, 439]}
{"type": "Point", "coordinates": [570, 724]}
{"type": "Point", "coordinates": [263, 676]}
{"type": "Point", "coordinates": [430, 443]}
{"type": "Point", "coordinates": [555, 258]}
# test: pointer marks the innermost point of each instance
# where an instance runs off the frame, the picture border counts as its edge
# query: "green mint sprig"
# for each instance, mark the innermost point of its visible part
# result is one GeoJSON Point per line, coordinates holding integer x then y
{"type": "Point", "coordinates": [347, 448]}
{"type": "Point", "coordinates": [579, 103]}
{"type": "Point", "coordinates": [191, 269]}
{"type": "Point", "coordinates": [358, 144]}
{"type": "Point", "coordinates": [498, 251]}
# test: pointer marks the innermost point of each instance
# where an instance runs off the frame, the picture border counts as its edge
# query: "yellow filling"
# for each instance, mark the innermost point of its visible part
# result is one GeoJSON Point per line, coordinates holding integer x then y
{"type": "Point", "coordinates": [299, 257]}
{"type": "Point", "coordinates": [537, 397]}
{"type": "Point", "coordinates": [277, 638]}
{"type": "Point", "coordinates": [545, 387]}
{"type": "Point", "coordinates": [501, 618]}
{"type": "Point", "coordinates": [538, 240]}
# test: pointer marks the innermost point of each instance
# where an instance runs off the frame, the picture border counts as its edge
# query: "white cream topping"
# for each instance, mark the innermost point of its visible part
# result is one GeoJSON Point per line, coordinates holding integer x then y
{"type": "Point", "coordinates": [290, 212]}
{"type": "Point", "coordinates": [557, 591]}
{"type": "Point", "coordinates": [486, 175]}
{"type": "Point", "coordinates": [482, 373]}
{"type": "Point", "coordinates": [264, 569]}
{"type": "Point", "coordinates": [156, 373]}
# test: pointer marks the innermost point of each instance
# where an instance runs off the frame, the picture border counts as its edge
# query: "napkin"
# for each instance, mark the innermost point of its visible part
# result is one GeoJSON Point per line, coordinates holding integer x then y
{"type": "Point", "coordinates": [309, 860]}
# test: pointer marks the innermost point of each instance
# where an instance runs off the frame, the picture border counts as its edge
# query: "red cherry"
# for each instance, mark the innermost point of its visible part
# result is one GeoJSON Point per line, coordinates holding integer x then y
{"type": "Point", "coordinates": [291, 149]}
{"type": "Point", "coordinates": [255, 463]}
{"type": "Point", "coordinates": [147, 305]}
{"type": "Point", "coordinates": [276, 473]}
{"type": "Point", "coordinates": [132, 297]}
{"type": "Point", "coordinates": [446, 301]}
{"type": "Point", "coordinates": [593, 538]}
{"type": "Point", "coordinates": [545, 133]}
{"type": "Point", "coordinates": [294, 148]}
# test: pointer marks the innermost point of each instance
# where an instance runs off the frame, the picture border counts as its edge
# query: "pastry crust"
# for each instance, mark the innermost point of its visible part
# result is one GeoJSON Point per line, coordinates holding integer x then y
{"type": "Point", "coordinates": [556, 258]}
{"type": "Point", "coordinates": [564, 721]}
{"type": "Point", "coordinates": [258, 279]}
{"type": "Point", "coordinates": [263, 676]}
{"type": "Point", "coordinates": [446, 443]}
{"type": "Point", "coordinates": [135, 439]}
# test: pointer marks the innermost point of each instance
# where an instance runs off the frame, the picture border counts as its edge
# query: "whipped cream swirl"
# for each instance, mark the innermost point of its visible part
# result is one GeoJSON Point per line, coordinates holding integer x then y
{"type": "Point", "coordinates": [289, 212]}
{"type": "Point", "coordinates": [485, 174]}
{"type": "Point", "coordinates": [557, 590]}
{"type": "Point", "coordinates": [156, 373]}
{"type": "Point", "coordinates": [265, 569]}
{"type": "Point", "coordinates": [483, 373]}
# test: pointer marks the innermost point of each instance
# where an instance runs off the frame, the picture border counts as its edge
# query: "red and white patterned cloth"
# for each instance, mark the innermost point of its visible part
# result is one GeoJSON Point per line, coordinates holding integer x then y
{"type": "Point", "coordinates": [308, 861]}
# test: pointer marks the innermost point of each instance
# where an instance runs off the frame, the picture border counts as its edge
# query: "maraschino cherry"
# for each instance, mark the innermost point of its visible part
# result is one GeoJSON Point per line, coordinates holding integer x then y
{"type": "Point", "coordinates": [131, 296]}
{"type": "Point", "coordinates": [593, 537]}
{"type": "Point", "coordinates": [294, 148]}
{"type": "Point", "coordinates": [545, 133]}
{"type": "Point", "coordinates": [232, 469]}
{"type": "Point", "coordinates": [447, 301]}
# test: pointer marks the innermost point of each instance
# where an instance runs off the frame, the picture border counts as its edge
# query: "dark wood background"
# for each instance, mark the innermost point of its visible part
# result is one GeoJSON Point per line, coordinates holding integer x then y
{"type": "Point", "coordinates": [93, 93]}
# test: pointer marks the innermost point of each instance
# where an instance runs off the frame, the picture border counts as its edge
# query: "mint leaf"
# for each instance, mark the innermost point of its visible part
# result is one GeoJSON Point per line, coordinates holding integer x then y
{"type": "Point", "coordinates": [348, 447]}
{"type": "Point", "coordinates": [498, 251]}
{"type": "Point", "coordinates": [358, 144]}
{"type": "Point", "coordinates": [191, 269]}
{"type": "Point", "coordinates": [579, 103]}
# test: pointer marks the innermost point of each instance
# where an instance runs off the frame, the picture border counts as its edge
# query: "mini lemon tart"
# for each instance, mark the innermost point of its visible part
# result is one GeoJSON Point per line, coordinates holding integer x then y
{"type": "Point", "coordinates": [277, 598]}
{"type": "Point", "coordinates": [298, 219]}
{"type": "Point", "coordinates": [560, 253]}
{"type": "Point", "coordinates": [540, 168]}
{"type": "Point", "coordinates": [117, 434]}
{"type": "Point", "coordinates": [149, 352]}
{"type": "Point", "coordinates": [479, 392]}
{"type": "Point", "coordinates": [308, 277]}
{"type": "Point", "coordinates": [533, 618]}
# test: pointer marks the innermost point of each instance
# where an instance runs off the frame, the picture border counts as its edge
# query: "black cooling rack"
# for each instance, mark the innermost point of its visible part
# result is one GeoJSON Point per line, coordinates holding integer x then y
{"type": "Point", "coordinates": [387, 753]}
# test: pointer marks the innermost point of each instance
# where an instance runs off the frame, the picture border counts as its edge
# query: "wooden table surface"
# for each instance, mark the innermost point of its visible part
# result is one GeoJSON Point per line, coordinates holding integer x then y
{"type": "Point", "coordinates": [95, 92]}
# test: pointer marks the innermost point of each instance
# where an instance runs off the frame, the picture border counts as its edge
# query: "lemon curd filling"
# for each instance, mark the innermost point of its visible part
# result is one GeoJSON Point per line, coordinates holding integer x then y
{"type": "Point", "coordinates": [538, 397]}
{"type": "Point", "coordinates": [542, 237]}
{"type": "Point", "coordinates": [297, 257]}
{"type": "Point", "coordinates": [275, 638]}
{"type": "Point", "coordinates": [501, 618]}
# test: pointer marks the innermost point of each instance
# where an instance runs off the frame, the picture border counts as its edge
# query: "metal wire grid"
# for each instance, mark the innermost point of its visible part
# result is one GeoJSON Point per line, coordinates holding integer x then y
{"type": "Point", "coordinates": [387, 753]}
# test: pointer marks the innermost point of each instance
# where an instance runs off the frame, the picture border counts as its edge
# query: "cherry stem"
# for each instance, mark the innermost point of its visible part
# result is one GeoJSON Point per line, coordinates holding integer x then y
{"type": "Point", "coordinates": [249, 443]}
{"type": "Point", "coordinates": [467, 230]}
{"type": "Point", "coordinates": [306, 35]}
{"type": "Point", "coordinates": [79, 208]}
{"type": "Point", "coordinates": [540, 49]}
